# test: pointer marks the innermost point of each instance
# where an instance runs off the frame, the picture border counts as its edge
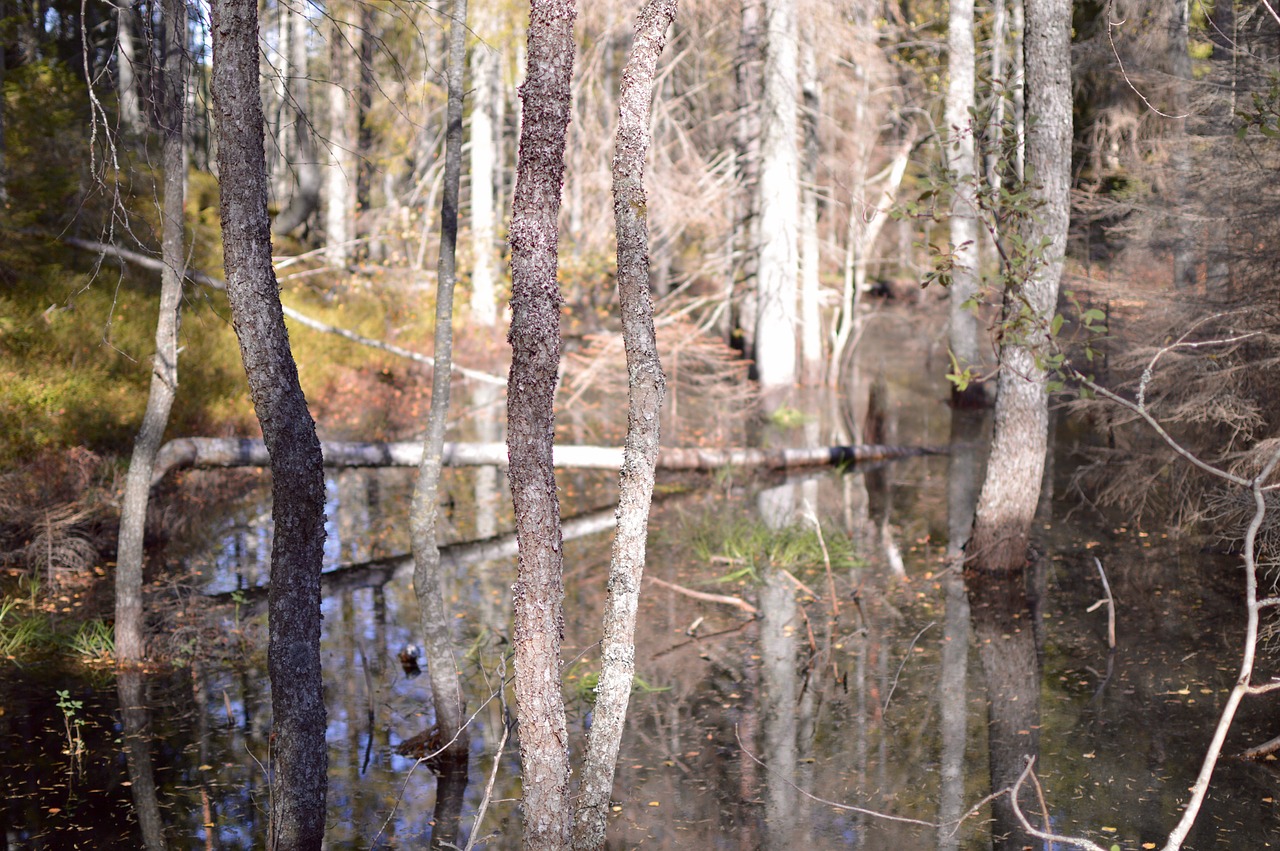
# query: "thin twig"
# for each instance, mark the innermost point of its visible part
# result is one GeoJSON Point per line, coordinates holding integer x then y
{"type": "Point", "coordinates": [1111, 605]}
{"type": "Point", "coordinates": [1040, 834]}
{"type": "Point", "coordinates": [704, 596]}
{"type": "Point", "coordinates": [903, 664]}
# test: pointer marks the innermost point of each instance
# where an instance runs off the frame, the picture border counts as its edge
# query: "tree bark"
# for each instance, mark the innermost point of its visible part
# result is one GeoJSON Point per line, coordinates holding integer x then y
{"type": "Point", "coordinates": [130, 102]}
{"type": "Point", "coordinates": [810, 250]}
{"type": "Point", "coordinates": [1007, 502]}
{"type": "Point", "coordinates": [297, 492]}
{"type": "Point", "coordinates": [646, 387]}
{"type": "Point", "coordinates": [341, 175]}
{"type": "Point", "coordinates": [538, 593]}
{"type": "Point", "coordinates": [227, 452]}
{"type": "Point", "coordinates": [961, 165]}
{"type": "Point", "coordinates": [775, 341]}
{"type": "Point", "coordinates": [130, 614]}
{"type": "Point", "coordinates": [305, 166]}
{"type": "Point", "coordinates": [428, 583]}
{"type": "Point", "coordinates": [487, 81]}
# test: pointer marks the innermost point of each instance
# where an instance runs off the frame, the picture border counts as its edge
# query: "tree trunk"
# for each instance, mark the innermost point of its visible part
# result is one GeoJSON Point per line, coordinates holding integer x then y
{"type": "Point", "coordinates": [428, 583]}
{"type": "Point", "coordinates": [538, 593]}
{"type": "Point", "coordinates": [1007, 502]}
{"type": "Point", "coordinates": [297, 491]}
{"type": "Point", "coordinates": [775, 343]}
{"type": "Point", "coordinates": [810, 254]}
{"type": "Point", "coordinates": [130, 615]}
{"type": "Point", "coordinates": [130, 102]}
{"type": "Point", "coordinates": [744, 245]}
{"type": "Point", "coordinates": [961, 164]}
{"type": "Point", "coordinates": [646, 387]}
{"type": "Point", "coordinates": [305, 165]}
{"type": "Point", "coordinates": [220, 452]}
{"type": "Point", "coordinates": [341, 176]}
{"type": "Point", "coordinates": [486, 79]}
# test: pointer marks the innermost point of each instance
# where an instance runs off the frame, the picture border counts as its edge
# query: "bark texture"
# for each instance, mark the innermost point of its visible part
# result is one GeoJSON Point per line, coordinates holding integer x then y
{"type": "Point", "coordinates": [775, 341]}
{"type": "Point", "coordinates": [646, 388]}
{"type": "Point", "coordinates": [297, 491]}
{"type": "Point", "coordinates": [961, 164]}
{"type": "Point", "coordinates": [130, 614]}
{"type": "Point", "coordinates": [1007, 503]}
{"type": "Point", "coordinates": [538, 593]}
{"type": "Point", "coordinates": [428, 583]}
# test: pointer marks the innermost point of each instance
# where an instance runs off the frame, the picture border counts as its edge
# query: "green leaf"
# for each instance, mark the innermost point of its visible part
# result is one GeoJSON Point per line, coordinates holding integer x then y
{"type": "Point", "coordinates": [1056, 325]}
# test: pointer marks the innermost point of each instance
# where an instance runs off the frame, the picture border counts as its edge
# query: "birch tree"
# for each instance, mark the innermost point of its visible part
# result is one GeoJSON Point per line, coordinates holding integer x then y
{"type": "Point", "coordinates": [129, 635]}
{"type": "Point", "coordinates": [486, 66]}
{"type": "Point", "coordinates": [961, 167]}
{"type": "Point", "coordinates": [775, 338]}
{"type": "Point", "coordinates": [297, 476]}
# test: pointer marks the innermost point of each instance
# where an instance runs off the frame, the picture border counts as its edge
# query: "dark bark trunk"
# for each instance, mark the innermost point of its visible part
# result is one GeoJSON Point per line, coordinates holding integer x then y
{"type": "Point", "coordinates": [428, 582]}
{"type": "Point", "coordinates": [297, 492]}
{"type": "Point", "coordinates": [647, 386]}
{"type": "Point", "coordinates": [538, 593]}
{"type": "Point", "coordinates": [130, 614]}
{"type": "Point", "coordinates": [131, 687]}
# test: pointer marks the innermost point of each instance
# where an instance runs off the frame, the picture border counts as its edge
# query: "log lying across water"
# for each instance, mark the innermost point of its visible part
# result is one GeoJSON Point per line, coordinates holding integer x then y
{"type": "Point", "coordinates": [219, 452]}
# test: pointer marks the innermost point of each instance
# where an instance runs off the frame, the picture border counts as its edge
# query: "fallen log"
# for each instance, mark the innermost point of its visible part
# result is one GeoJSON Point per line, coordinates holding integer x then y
{"type": "Point", "coordinates": [226, 452]}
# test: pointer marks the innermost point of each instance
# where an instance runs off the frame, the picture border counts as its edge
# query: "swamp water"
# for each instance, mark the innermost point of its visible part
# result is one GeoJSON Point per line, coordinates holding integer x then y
{"type": "Point", "coordinates": [765, 731]}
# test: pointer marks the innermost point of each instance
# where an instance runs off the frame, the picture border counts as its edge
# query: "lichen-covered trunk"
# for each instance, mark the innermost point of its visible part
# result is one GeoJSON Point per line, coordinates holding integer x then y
{"type": "Point", "coordinates": [646, 387]}
{"type": "Point", "coordinates": [538, 593]}
{"type": "Point", "coordinates": [297, 476]}
{"type": "Point", "coordinates": [428, 583]}
{"type": "Point", "coordinates": [130, 614]}
{"type": "Point", "coordinates": [1007, 502]}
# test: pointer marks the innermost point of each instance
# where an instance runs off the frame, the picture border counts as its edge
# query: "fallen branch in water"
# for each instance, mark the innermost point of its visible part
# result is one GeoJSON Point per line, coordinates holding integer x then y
{"type": "Point", "coordinates": [223, 452]}
{"type": "Point", "coordinates": [736, 602]}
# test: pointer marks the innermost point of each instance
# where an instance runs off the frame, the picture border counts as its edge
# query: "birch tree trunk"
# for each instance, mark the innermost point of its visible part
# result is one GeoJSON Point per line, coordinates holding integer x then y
{"type": "Point", "coordinates": [428, 583]}
{"type": "Point", "coordinates": [304, 165]}
{"type": "Point", "coordinates": [1007, 502]}
{"type": "Point", "coordinates": [775, 343]}
{"type": "Point", "coordinates": [961, 164]}
{"type": "Point", "coordinates": [646, 388]}
{"type": "Point", "coordinates": [130, 615]}
{"type": "Point", "coordinates": [810, 254]}
{"type": "Point", "coordinates": [341, 176]}
{"type": "Point", "coordinates": [486, 79]}
{"type": "Point", "coordinates": [744, 244]}
{"type": "Point", "coordinates": [297, 477]}
{"type": "Point", "coordinates": [538, 593]}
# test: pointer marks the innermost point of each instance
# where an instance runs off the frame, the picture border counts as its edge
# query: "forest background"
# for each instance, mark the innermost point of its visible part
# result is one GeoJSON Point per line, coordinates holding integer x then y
{"type": "Point", "coordinates": [1175, 108]}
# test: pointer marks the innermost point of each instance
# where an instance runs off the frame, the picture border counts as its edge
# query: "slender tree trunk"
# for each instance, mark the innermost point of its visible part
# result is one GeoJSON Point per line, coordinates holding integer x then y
{"type": "Point", "coordinates": [305, 164]}
{"type": "Point", "coordinates": [961, 164]}
{"type": "Point", "coordinates": [135, 715]}
{"type": "Point", "coordinates": [341, 176]}
{"type": "Point", "coordinates": [538, 593]}
{"type": "Point", "coordinates": [810, 254]}
{"type": "Point", "coordinates": [428, 583]}
{"type": "Point", "coordinates": [485, 73]}
{"type": "Point", "coordinates": [1007, 502]}
{"type": "Point", "coordinates": [775, 342]}
{"type": "Point", "coordinates": [130, 614]}
{"type": "Point", "coordinates": [130, 102]}
{"type": "Point", "coordinates": [745, 245]}
{"type": "Point", "coordinates": [297, 477]}
{"type": "Point", "coordinates": [646, 388]}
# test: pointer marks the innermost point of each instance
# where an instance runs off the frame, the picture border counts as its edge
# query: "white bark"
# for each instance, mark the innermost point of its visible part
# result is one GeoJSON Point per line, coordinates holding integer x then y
{"type": "Point", "coordinates": [340, 176]}
{"type": "Point", "coordinates": [487, 85]}
{"type": "Point", "coordinates": [810, 254]}
{"type": "Point", "coordinates": [963, 332]}
{"type": "Point", "coordinates": [127, 70]}
{"type": "Point", "coordinates": [775, 342]}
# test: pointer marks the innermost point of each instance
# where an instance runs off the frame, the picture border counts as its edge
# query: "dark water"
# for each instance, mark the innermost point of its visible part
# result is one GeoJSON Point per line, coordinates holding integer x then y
{"type": "Point", "coordinates": [777, 731]}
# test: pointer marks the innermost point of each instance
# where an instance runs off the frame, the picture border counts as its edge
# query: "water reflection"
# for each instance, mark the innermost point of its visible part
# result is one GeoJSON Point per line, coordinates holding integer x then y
{"type": "Point", "coordinates": [860, 703]}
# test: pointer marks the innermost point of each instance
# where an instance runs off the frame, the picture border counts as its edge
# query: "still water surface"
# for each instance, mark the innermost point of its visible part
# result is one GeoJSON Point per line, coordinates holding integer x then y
{"type": "Point", "coordinates": [778, 730]}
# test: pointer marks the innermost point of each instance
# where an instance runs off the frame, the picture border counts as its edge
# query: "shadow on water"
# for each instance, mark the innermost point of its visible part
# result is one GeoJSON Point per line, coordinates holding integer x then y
{"type": "Point", "coordinates": [869, 681]}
